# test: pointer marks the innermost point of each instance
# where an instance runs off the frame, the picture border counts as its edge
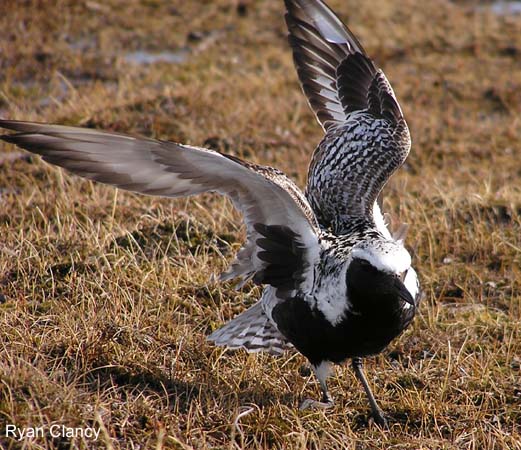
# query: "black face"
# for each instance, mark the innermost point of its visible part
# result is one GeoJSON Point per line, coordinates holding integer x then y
{"type": "Point", "coordinates": [370, 288]}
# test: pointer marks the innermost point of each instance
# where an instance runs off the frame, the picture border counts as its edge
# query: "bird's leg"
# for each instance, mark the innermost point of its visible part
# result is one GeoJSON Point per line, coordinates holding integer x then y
{"type": "Point", "coordinates": [321, 371]}
{"type": "Point", "coordinates": [377, 413]}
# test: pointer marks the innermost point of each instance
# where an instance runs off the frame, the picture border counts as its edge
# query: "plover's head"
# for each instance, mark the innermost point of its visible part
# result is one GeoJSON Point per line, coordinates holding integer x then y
{"type": "Point", "coordinates": [378, 270]}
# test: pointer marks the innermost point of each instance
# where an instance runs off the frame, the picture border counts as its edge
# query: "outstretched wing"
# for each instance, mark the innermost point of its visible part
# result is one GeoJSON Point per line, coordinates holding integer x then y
{"type": "Point", "coordinates": [367, 138]}
{"type": "Point", "coordinates": [270, 202]}
{"type": "Point", "coordinates": [335, 73]}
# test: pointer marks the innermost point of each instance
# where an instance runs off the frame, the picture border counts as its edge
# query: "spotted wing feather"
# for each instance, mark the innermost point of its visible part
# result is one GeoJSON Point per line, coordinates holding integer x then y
{"type": "Point", "coordinates": [366, 138]}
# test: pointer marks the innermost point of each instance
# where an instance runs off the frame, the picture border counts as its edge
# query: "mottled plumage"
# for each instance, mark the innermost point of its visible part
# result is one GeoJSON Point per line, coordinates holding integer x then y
{"type": "Point", "coordinates": [351, 165]}
{"type": "Point", "coordinates": [338, 284]}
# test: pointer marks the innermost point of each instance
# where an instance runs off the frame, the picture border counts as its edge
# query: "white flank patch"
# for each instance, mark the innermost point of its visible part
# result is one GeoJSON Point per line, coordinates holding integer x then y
{"type": "Point", "coordinates": [380, 221]}
{"type": "Point", "coordinates": [331, 296]}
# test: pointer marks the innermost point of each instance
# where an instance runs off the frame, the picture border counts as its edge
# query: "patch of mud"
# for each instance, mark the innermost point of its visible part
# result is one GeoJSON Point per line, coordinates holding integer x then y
{"type": "Point", "coordinates": [143, 57]}
{"type": "Point", "coordinates": [503, 8]}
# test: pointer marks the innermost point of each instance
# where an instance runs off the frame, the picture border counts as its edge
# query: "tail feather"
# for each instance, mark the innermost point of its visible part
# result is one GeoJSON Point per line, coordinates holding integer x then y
{"type": "Point", "coordinates": [253, 331]}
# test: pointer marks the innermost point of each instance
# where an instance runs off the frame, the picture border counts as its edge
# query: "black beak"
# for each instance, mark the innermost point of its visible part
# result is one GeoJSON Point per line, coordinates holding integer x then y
{"type": "Point", "coordinates": [404, 294]}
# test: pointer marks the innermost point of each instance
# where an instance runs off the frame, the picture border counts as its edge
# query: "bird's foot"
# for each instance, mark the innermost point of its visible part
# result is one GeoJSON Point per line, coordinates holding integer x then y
{"type": "Point", "coordinates": [379, 418]}
{"type": "Point", "coordinates": [309, 403]}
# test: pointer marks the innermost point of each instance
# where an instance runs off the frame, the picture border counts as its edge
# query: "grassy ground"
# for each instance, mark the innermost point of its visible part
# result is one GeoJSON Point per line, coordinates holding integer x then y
{"type": "Point", "coordinates": [106, 297]}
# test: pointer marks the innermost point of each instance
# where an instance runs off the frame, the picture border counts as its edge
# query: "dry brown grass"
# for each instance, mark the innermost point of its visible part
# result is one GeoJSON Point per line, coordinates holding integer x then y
{"type": "Point", "coordinates": [107, 298]}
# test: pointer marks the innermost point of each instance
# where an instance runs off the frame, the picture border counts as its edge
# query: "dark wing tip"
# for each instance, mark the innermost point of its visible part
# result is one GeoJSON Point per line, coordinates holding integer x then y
{"type": "Point", "coordinates": [334, 71]}
{"type": "Point", "coordinates": [362, 85]}
{"type": "Point", "coordinates": [22, 140]}
{"type": "Point", "coordinates": [355, 75]}
{"type": "Point", "coordinates": [18, 125]}
{"type": "Point", "coordinates": [11, 138]}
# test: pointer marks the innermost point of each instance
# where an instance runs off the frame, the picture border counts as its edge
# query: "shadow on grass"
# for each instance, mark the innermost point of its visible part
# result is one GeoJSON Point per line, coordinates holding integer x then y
{"type": "Point", "coordinates": [181, 393]}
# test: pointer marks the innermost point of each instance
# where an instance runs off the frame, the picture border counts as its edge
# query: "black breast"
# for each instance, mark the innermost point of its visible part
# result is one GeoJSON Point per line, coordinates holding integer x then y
{"type": "Point", "coordinates": [378, 315]}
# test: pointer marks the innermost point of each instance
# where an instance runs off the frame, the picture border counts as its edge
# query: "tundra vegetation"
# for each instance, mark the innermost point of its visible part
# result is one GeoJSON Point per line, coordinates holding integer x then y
{"type": "Point", "coordinates": [106, 297]}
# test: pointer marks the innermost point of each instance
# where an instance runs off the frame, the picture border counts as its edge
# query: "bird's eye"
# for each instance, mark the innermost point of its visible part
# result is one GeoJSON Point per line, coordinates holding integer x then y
{"type": "Point", "coordinates": [364, 263]}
